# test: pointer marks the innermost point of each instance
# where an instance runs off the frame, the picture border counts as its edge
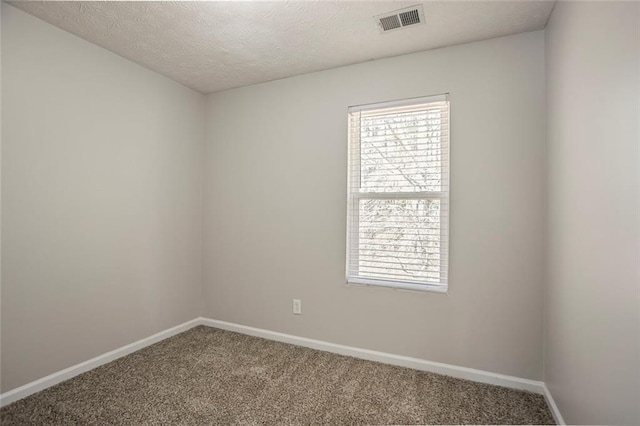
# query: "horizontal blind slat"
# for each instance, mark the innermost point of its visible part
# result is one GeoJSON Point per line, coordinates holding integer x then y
{"type": "Point", "coordinates": [398, 191]}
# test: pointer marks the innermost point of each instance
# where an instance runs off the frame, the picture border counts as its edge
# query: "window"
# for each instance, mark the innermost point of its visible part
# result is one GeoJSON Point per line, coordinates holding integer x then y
{"type": "Point", "coordinates": [398, 206]}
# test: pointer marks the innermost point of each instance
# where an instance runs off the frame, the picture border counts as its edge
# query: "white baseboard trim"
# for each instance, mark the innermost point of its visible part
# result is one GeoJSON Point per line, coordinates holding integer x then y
{"type": "Point", "coordinates": [386, 358]}
{"type": "Point", "coordinates": [383, 357]}
{"type": "Point", "coordinates": [553, 407]}
{"type": "Point", "coordinates": [66, 374]}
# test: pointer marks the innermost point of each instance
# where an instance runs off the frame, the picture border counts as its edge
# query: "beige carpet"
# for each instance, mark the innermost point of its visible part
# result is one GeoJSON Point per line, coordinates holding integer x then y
{"type": "Point", "coordinates": [209, 376]}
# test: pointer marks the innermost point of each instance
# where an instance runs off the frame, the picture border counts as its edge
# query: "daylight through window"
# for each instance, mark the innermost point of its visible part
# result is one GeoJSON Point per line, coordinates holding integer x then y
{"type": "Point", "coordinates": [398, 207]}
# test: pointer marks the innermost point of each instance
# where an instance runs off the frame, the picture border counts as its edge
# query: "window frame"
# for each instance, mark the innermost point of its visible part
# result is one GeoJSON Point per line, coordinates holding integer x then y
{"type": "Point", "coordinates": [354, 196]}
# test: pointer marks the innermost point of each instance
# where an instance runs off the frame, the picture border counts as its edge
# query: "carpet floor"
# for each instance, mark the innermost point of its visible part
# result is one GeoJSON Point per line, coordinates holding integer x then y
{"type": "Point", "coordinates": [208, 376]}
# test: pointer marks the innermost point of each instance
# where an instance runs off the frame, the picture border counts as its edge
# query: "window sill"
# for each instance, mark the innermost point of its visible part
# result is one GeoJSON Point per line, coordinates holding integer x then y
{"type": "Point", "coordinates": [366, 282]}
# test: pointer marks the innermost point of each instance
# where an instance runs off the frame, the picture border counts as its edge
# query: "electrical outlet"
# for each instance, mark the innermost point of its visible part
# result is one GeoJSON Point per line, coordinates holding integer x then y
{"type": "Point", "coordinates": [297, 306]}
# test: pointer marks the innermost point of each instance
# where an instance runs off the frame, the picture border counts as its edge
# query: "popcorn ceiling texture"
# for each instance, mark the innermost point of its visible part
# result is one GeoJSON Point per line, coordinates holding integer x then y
{"type": "Point", "coordinates": [213, 46]}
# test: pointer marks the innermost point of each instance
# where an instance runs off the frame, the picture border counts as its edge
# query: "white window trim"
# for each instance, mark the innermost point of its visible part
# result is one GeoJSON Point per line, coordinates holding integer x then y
{"type": "Point", "coordinates": [353, 198]}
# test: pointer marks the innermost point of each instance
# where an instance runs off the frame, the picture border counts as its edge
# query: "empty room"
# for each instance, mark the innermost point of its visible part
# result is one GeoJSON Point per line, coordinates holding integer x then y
{"type": "Point", "coordinates": [320, 212]}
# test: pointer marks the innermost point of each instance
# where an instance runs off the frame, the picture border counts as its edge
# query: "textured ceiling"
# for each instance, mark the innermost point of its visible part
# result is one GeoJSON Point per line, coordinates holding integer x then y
{"type": "Point", "coordinates": [212, 46]}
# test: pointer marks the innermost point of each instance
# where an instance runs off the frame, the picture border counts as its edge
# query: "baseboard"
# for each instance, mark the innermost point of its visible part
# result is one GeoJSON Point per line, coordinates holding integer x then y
{"type": "Point", "coordinates": [66, 374]}
{"type": "Point", "coordinates": [386, 358]}
{"type": "Point", "coordinates": [553, 407]}
{"type": "Point", "coordinates": [383, 357]}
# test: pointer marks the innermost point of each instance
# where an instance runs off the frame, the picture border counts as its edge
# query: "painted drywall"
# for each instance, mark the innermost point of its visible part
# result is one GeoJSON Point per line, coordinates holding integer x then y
{"type": "Point", "coordinates": [592, 301]}
{"type": "Point", "coordinates": [1, 192]}
{"type": "Point", "coordinates": [275, 208]}
{"type": "Point", "coordinates": [102, 200]}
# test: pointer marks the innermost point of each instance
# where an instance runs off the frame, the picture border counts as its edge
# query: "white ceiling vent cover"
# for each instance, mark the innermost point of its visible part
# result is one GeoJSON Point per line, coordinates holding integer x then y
{"type": "Point", "coordinates": [399, 19]}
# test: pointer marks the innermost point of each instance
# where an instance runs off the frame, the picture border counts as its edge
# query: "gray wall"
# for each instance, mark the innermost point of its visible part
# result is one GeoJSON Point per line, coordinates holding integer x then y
{"type": "Point", "coordinates": [275, 208]}
{"type": "Point", "coordinates": [102, 200]}
{"type": "Point", "coordinates": [592, 350]}
{"type": "Point", "coordinates": [1, 6]}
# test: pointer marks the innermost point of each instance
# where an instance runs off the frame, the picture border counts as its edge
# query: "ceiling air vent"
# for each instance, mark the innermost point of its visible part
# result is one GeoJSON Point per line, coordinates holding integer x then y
{"type": "Point", "coordinates": [400, 18]}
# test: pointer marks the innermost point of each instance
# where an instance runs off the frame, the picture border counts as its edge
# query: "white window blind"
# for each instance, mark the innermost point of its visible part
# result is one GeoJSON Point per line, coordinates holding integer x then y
{"type": "Point", "coordinates": [398, 195]}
